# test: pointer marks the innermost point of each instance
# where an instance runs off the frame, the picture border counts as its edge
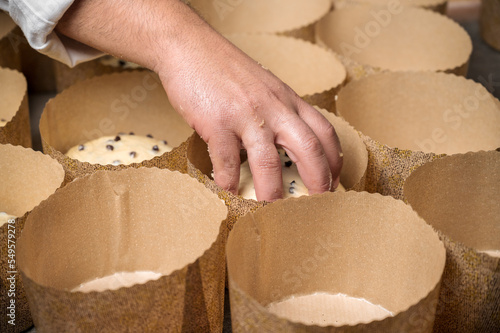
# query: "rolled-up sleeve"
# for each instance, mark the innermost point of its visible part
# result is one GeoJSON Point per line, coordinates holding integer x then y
{"type": "Point", "coordinates": [37, 19]}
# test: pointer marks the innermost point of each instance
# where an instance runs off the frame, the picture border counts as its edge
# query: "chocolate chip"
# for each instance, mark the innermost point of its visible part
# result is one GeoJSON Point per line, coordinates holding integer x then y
{"type": "Point", "coordinates": [117, 162]}
{"type": "Point", "coordinates": [3, 120]}
{"type": "Point", "coordinates": [288, 164]}
{"type": "Point", "coordinates": [117, 138]}
{"type": "Point", "coordinates": [498, 149]}
{"type": "Point", "coordinates": [131, 133]}
{"type": "Point", "coordinates": [165, 142]}
{"type": "Point", "coordinates": [155, 148]}
{"type": "Point", "coordinates": [133, 154]}
{"type": "Point", "coordinates": [149, 136]}
{"type": "Point", "coordinates": [286, 154]}
{"type": "Point", "coordinates": [110, 147]}
{"type": "Point", "coordinates": [291, 190]}
{"type": "Point", "coordinates": [81, 147]}
{"type": "Point", "coordinates": [292, 182]}
{"type": "Point", "coordinates": [122, 63]}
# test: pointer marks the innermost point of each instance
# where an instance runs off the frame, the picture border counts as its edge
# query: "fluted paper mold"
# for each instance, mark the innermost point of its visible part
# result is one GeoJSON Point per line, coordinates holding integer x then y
{"type": "Point", "coordinates": [408, 119]}
{"type": "Point", "coordinates": [14, 108]}
{"type": "Point", "coordinates": [314, 73]}
{"type": "Point", "coordinates": [10, 38]}
{"type": "Point", "coordinates": [131, 220]}
{"type": "Point", "coordinates": [354, 243]}
{"type": "Point", "coordinates": [295, 18]}
{"type": "Point", "coordinates": [434, 5]}
{"type": "Point", "coordinates": [26, 177]}
{"type": "Point", "coordinates": [107, 105]}
{"type": "Point", "coordinates": [458, 196]}
{"type": "Point", "coordinates": [490, 22]}
{"type": "Point", "coordinates": [395, 38]}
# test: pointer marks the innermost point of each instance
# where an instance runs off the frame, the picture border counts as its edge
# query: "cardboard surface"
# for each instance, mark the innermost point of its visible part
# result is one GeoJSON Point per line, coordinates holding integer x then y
{"type": "Point", "coordinates": [408, 119]}
{"type": "Point", "coordinates": [9, 42]}
{"type": "Point", "coordinates": [106, 105]}
{"type": "Point", "coordinates": [296, 18]}
{"type": "Point", "coordinates": [14, 108]}
{"type": "Point", "coordinates": [458, 196]}
{"type": "Point", "coordinates": [489, 20]}
{"type": "Point", "coordinates": [396, 38]}
{"type": "Point", "coordinates": [132, 220]}
{"type": "Point", "coordinates": [355, 243]}
{"type": "Point", "coordinates": [314, 73]}
{"type": "Point", "coordinates": [26, 177]}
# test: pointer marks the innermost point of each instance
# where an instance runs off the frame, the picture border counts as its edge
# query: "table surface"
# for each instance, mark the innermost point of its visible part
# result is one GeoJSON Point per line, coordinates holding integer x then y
{"type": "Point", "coordinates": [484, 68]}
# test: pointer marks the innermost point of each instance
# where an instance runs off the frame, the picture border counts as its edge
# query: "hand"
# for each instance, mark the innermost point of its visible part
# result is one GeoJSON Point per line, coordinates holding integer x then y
{"type": "Point", "coordinates": [229, 99]}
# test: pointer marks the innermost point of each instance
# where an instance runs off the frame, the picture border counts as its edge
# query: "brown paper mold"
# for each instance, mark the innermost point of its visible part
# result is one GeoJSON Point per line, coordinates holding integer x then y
{"type": "Point", "coordinates": [408, 119]}
{"type": "Point", "coordinates": [394, 38]}
{"type": "Point", "coordinates": [352, 177]}
{"type": "Point", "coordinates": [26, 177]}
{"type": "Point", "coordinates": [458, 196]}
{"type": "Point", "coordinates": [66, 76]}
{"type": "Point", "coordinates": [9, 42]}
{"type": "Point", "coordinates": [295, 18]}
{"type": "Point", "coordinates": [126, 221]}
{"type": "Point", "coordinates": [14, 111]}
{"type": "Point", "coordinates": [107, 105]}
{"type": "Point", "coordinates": [352, 243]}
{"type": "Point", "coordinates": [313, 72]}
{"type": "Point", "coordinates": [434, 5]}
{"type": "Point", "coordinates": [490, 22]}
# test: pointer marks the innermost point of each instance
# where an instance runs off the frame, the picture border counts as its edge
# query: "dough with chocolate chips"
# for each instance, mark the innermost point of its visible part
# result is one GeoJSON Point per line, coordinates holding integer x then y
{"type": "Point", "coordinates": [118, 63]}
{"type": "Point", "coordinates": [119, 149]}
{"type": "Point", "coordinates": [292, 183]}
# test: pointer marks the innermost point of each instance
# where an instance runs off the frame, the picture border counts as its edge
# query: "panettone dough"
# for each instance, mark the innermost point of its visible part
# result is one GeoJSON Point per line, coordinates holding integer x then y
{"type": "Point", "coordinates": [119, 149]}
{"type": "Point", "coordinates": [4, 218]}
{"type": "Point", "coordinates": [118, 63]}
{"type": "Point", "coordinates": [293, 186]}
{"type": "Point", "coordinates": [117, 281]}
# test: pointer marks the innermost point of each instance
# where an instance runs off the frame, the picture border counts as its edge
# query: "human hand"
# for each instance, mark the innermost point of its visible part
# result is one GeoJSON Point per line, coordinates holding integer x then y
{"type": "Point", "coordinates": [229, 99]}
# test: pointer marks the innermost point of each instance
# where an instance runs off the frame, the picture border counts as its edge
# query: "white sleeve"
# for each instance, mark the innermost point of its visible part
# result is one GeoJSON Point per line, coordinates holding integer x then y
{"type": "Point", "coordinates": [37, 19]}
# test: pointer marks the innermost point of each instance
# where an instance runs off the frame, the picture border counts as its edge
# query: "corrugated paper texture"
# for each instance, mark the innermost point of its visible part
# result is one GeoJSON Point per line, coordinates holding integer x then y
{"type": "Point", "coordinates": [14, 108]}
{"type": "Point", "coordinates": [295, 18]}
{"type": "Point", "coordinates": [458, 196]}
{"type": "Point", "coordinates": [352, 176]}
{"type": "Point", "coordinates": [199, 167]}
{"type": "Point", "coordinates": [66, 76]}
{"type": "Point", "coordinates": [314, 73]}
{"type": "Point", "coordinates": [132, 220]}
{"type": "Point", "coordinates": [490, 22]}
{"type": "Point", "coordinates": [434, 5]}
{"type": "Point", "coordinates": [26, 177]}
{"type": "Point", "coordinates": [408, 119]}
{"type": "Point", "coordinates": [109, 104]}
{"type": "Point", "coordinates": [353, 243]}
{"type": "Point", "coordinates": [9, 43]}
{"type": "Point", "coordinates": [396, 38]}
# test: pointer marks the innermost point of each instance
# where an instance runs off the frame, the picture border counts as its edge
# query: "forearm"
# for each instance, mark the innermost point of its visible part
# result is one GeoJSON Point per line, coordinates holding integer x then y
{"type": "Point", "coordinates": [147, 32]}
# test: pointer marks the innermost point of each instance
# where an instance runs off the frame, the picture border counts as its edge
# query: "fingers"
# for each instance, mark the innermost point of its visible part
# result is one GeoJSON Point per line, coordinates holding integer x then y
{"type": "Point", "coordinates": [225, 155]}
{"type": "Point", "coordinates": [305, 150]}
{"type": "Point", "coordinates": [326, 134]}
{"type": "Point", "coordinates": [265, 165]}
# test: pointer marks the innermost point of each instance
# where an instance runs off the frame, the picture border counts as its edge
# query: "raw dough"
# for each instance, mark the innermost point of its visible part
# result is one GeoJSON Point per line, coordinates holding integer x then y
{"type": "Point", "coordinates": [118, 63]}
{"type": "Point", "coordinates": [4, 218]}
{"type": "Point", "coordinates": [292, 183]}
{"type": "Point", "coordinates": [119, 149]}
